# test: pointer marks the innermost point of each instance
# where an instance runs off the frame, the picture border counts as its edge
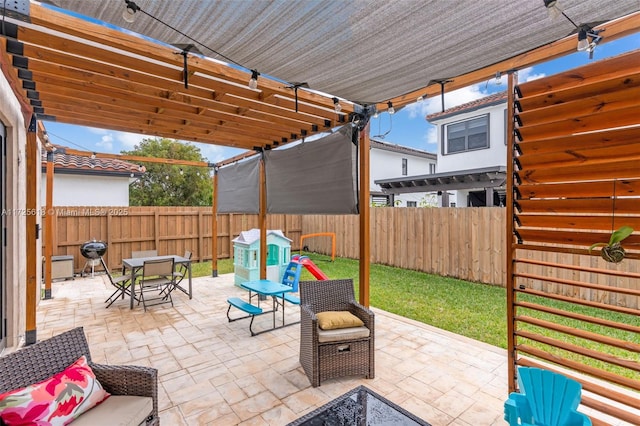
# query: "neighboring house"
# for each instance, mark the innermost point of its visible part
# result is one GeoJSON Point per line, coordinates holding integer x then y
{"type": "Point", "coordinates": [472, 156]}
{"type": "Point", "coordinates": [391, 161]}
{"type": "Point", "coordinates": [86, 181]}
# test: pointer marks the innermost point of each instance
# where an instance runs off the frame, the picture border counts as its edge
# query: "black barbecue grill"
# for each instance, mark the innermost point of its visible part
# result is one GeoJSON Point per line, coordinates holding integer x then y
{"type": "Point", "coordinates": [93, 252]}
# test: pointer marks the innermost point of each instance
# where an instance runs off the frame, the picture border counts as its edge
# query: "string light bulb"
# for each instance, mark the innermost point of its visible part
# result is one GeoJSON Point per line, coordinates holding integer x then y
{"type": "Point", "coordinates": [253, 81]}
{"type": "Point", "coordinates": [391, 110]}
{"type": "Point", "coordinates": [336, 105]}
{"type": "Point", "coordinates": [553, 8]}
{"type": "Point", "coordinates": [93, 156]}
{"type": "Point", "coordinates": [583, 42]}
{"type": "Point", "coordinates": [498, 78]}
{"type": "Point", "coordinates": [420, 98]}
{"type": "Point", "coordinates": [181, 172]}
{"type": "Point", "coordinates": [129, 12]}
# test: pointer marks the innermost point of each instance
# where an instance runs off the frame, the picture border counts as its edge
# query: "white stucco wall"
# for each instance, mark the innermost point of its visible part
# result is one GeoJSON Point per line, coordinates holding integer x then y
{"type": "Point", "coordinates": [495, 155]}
{"type": "Point", "coordinates": [388, 164]}
{"type": "Point", "coordinates": [16, 250]}
{"type": "Point", "coordinates": [83, 190]}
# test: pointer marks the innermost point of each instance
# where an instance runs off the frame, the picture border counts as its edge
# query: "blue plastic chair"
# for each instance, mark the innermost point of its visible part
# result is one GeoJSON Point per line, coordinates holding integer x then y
{"type": "Point", "coordinates": [545, 399]}
{"type": "Point", "coordinates": [291, 278]}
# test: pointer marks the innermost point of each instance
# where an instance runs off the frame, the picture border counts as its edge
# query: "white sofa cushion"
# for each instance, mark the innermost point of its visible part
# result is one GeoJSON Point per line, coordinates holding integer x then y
{"type": "Point", "coordinates": [117, 410]}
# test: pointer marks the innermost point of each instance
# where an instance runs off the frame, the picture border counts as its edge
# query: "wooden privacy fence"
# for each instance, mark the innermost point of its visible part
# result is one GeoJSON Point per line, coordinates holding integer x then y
{"type": "Point", "coordinates": [465, 243]}
{"type": "Point", "coordinates": [168, 230]}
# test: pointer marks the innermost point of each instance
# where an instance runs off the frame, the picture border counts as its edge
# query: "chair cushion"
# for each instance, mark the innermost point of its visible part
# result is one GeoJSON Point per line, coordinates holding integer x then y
{"type": "Point", "coordinates": [342, 334]}
{"type": "Point", "coordinates": [57, 400]}
{"type": "Point", "coordinates": [331, 320]}
{"type": "Point", "coordinates": [121, 410]}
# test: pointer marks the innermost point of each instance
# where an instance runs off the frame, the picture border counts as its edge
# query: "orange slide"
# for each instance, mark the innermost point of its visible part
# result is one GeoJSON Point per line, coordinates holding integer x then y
{"type": "Point", "coordinates": [311, 267]}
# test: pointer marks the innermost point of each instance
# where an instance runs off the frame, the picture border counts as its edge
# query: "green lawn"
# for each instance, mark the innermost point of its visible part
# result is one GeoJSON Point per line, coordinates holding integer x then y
{"type": "Point", "coordinates": [470, 309]}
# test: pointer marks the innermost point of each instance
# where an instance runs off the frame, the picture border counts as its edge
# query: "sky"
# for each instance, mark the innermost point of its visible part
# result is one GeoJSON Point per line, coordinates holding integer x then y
{"type": "Point", "coordinates": [407, 127]}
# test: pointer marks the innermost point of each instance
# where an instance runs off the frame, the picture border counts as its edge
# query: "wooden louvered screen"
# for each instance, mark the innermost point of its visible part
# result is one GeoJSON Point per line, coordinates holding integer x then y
{"type": "Point", "coordinates": [576, 177]}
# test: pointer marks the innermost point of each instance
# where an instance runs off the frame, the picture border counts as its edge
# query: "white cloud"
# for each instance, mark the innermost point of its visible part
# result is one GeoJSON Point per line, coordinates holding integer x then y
{"type": "Point", "coordinates": [451, 99]}
{"type": "Point", "coordinates": [128, 140]}
{"type": "Point", "coordinates": [106, 142]}
{"type": "Point", "coordinates": [527, 74]}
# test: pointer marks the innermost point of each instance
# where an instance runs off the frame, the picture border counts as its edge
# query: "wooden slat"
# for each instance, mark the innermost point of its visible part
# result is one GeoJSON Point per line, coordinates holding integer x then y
{"type": "Point", "coordinates": [584, 123]}
{"type": "Point", "coordinates": [620, 169]}
{"type": "Point", "coordinates": [582, 368]}
{"type": "Point", "coordinates": [577, 301]}
{"type": "Point", "coordinates": [623, 206]}
{"type": "Point", "coordinates": [583, 222]}
{"type": "Point", "coordinates": [574, 142]}
{"type": "Point", "coordinates": [618, 80]}
{"type": "Point", "coordinates": [598, 189]}
{"type": "Point", "coordinates": [604, 407]}
{"type": "Point", "coordinates": [612, 68]}
{"type": "Point", "coordinates": [580, 317]}
{"type": "Point", "coordinates": [575, 283]}
{"type": "Point", "coordinates": [585, 239]}
{"type": "Point", "coordinates": [592, 157]}
{"type": "Point", "coordinates": [583, 101]}
{"type": "Point", "coordinates": [594, 337]}
{"type": "Point", "coordinates": [582, 268]}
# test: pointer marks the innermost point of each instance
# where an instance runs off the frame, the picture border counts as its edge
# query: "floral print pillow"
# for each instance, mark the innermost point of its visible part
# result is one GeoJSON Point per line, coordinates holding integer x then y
{"type": "Point", "coordinates": [55, 401]}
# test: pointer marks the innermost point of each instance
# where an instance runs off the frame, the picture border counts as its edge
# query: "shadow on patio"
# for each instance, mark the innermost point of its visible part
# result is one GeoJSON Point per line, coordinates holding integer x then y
{"type": "Point", "coordinates": [213, 372]}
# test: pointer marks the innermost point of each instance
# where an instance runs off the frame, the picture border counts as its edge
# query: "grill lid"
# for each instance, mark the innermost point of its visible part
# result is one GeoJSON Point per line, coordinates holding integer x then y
{"type": "Point", "coordinates": [93, 249]}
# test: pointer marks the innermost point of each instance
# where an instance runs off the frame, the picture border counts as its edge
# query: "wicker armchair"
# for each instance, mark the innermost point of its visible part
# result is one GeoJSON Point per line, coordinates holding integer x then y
{"type": "Point", "coordinates": [42, 360]}
{"type": "Point", "coordinates": [323, 358]}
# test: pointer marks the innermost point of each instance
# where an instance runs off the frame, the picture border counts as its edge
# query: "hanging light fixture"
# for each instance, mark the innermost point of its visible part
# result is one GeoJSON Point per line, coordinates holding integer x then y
{"type": "Point", "coordinates": [391, 110]}
{"type": "Point", "coordinates": [129, 12]}
{"type": "Point", "coordinates": [253, 81]}
{"type": "Point", "coordinates": [588, 38]}
{"type": "Point", "coordinates": [336, 104]}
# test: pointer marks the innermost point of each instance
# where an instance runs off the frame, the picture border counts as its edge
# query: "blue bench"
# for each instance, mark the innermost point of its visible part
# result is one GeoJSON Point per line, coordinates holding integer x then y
{"type": "Point", "coordinates": [292, 299]}
{"type": "Point", "coordinates": [251, 310]}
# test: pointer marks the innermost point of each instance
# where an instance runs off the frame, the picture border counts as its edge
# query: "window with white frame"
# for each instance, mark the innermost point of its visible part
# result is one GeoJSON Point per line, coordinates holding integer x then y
{"type": "Point", "coordinates": [404, 167]}
{"type": "Point", "coordinates": [432, 168]}
{"type": "Point", "coordinates": [412, 204]}
{"type": "Point", "coordinates": [468, 135]}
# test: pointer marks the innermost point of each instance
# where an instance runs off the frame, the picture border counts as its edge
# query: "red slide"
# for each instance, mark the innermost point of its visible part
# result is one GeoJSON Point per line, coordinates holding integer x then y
{"type": "Point", "coordinates": [311, 267]}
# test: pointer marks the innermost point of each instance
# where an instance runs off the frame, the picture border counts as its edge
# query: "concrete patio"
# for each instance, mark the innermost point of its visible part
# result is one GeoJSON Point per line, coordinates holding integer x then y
{"type": "Point", "coordinates": [212, 372]}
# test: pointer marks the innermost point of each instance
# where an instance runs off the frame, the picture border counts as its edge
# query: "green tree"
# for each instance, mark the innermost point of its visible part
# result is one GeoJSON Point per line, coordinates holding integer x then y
{"type": "Point", "coordinates": [167, 184]}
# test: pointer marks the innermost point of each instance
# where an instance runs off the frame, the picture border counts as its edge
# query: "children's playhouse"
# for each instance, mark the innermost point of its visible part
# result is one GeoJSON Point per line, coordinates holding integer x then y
{"type": "Point", "coordinates": [246, 255]}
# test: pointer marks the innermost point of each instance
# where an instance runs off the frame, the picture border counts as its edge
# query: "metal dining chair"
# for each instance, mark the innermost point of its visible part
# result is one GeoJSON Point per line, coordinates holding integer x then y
{"type": "Point", "coordinates": [158, 280]}
{"type": "Point", "coordinates": [122, 285]}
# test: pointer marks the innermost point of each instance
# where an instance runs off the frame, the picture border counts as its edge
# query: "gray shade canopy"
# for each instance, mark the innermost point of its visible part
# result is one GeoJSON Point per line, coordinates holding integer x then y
{"type": "Point", "coordinates": [317, 177]}
{"type": "Point", "coordinates": [365, 51]}
{"type": "Point", "coordinates": [239, 187]}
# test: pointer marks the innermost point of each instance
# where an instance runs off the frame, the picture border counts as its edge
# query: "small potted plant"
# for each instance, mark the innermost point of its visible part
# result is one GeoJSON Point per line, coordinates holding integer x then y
{"type": "Point", "coordinates": [613, 251]}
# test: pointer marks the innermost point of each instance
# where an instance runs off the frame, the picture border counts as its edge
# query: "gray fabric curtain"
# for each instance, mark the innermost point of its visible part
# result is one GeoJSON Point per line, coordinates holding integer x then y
{"type": "Point", "coordinates": [239, 187]}
{"type": "Point", "coordinates": [318, 177]}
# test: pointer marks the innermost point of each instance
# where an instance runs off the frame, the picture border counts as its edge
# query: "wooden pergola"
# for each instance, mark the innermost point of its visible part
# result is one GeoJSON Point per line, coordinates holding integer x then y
{"type": "Point", "coordinates": [74, 71]}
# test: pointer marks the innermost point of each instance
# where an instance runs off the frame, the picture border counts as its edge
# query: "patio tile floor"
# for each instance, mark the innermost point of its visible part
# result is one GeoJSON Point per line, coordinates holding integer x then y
{"type": "Point", "coordinates": [212, 372]}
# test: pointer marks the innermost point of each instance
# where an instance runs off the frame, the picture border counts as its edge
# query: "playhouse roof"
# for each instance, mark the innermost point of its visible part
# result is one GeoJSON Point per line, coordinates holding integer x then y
{"type": "Point", "coordinates": [253, 235]}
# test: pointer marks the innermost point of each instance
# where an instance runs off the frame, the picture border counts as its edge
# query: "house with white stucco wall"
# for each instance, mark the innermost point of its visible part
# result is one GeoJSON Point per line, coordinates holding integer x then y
{"type": "Point", "coordinates": [87, 181]}
{"type": "Point", "coordinates": [389, 161]}
{"type": "Point", "coordinates": [471, 157]}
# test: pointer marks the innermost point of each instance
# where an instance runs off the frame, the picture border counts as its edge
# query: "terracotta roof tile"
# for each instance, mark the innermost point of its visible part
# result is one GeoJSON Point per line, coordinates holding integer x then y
{"type": "Point", "coordinates": [80, 164]}
{"type": "Point", "coordinates": [493, 99]}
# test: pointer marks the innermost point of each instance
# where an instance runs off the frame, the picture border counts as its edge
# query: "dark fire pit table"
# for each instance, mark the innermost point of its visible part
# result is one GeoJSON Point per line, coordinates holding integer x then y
{"type": "Point", "coordinates": [359, 407]}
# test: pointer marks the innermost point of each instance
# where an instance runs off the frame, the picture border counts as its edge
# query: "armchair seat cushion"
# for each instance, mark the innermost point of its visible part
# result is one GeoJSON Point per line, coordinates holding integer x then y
{"type": "Point", "coordinates": [330, 320]}
{"type": "Point", "coordinates": [132, 411]}
{"type": "Point", "coordinates": [342, 334]}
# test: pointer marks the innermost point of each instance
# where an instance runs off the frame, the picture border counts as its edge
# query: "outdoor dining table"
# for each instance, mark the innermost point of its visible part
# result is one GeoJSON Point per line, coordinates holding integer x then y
{"type": "Point", "coordinates": [269, 288]}
{"type": "Point", "coordinates": [134, 264]}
